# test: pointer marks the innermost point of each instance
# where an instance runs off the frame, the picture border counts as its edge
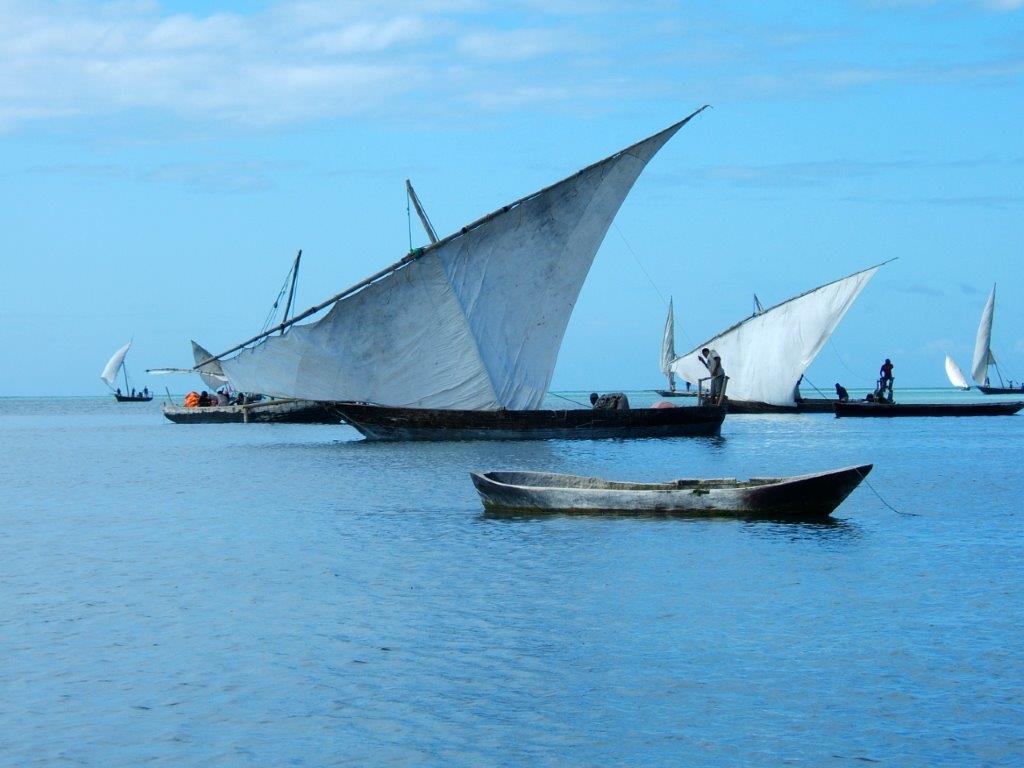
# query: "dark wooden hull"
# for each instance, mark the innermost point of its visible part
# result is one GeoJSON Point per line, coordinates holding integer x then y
{"type": "Point", "coordinates": [265, 412]}
{"type": "Point", "coordinates": [1001, 390]}
{"type": "Point", "coordinates": [130, 399]}
{"type": "Point", "coordinates": [881, 410]}
{"type": "Point", "coordinates": [675, 393]}
{"type": "Point", "coordinates": [809, 405]}
{"type": "Point", "coordinates": [803, 497]}
{"type": "Point", "coordinates": [384, 423]}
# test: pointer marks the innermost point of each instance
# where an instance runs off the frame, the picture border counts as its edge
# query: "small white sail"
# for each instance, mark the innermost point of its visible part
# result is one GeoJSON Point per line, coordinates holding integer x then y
{"type": "Point", "coordinates": [668, 341]}
{"type": "Point", "coordinates": [109, 374]}
{"type": "Point", "coordinates": [765, 355]}
{"type": "Point", "coordinates": [211, 373]}
{"type": "Point", "coordinates": [983, 356]}
{"type": "Point", "coordinates": [955, 375]}
{"type": "Point", "coordinates": [474, 321]}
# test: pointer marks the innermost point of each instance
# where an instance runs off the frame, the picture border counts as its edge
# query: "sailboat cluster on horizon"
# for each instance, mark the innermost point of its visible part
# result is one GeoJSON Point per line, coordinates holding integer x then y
{"type": "Point", "coordinates": [983, 359]}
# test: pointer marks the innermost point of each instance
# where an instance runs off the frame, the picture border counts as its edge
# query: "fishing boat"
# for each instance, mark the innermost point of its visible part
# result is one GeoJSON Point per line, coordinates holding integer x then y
{"type": "Point", "coordinates": [465, 331]}
{"type": "Point", "coordinates": [383, 423]}
{"type": "Point", "coordinates": [955, 375]}
{"type": "Point", "coordinates": [805, 496]}
{"type": "Point", "coordinates": [263, 412]}
{"type": "Point", "coordinates": [109, 377]}
{"type": "Point", "coordinates": [983, 356]}
{"type": "Point", "coordinates": [766, 354]}
{"type": "Point", "coordinates": [668, 354]}
{"type": "Point", "coordinates": [890, 410]}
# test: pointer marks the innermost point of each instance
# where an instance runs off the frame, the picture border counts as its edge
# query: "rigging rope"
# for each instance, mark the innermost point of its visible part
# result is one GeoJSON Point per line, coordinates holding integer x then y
{"type": "Point", "coordinates": [280, 295]}
{"type": "Point", "coordinates": [886, 503]}
{"type": "Point", "coordinates": [647, 274]}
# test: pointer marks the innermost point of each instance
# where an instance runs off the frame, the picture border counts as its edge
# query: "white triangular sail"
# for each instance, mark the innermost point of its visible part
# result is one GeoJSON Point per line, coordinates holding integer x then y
{"type": "Point", "coordinates": [765, 355]}
{"type": "Point", "coordinates": [668, 342]}
{"type": "Point", "coordinates": [983, 356]}
{"type": "Point", "coordinates": [113, 365]}
{"type": "Point", "coordinates": [955, 375]}
{"type": "Point", "coordinates": [474, 321]}
{"type": "Point", "coordinates": [211, 373]}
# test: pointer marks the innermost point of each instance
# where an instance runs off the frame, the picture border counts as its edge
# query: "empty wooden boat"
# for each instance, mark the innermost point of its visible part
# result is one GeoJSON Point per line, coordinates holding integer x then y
{"type": "Point", "coordinates": [805, 496]}
{"type": "Point", "coordinates": [890, 410]}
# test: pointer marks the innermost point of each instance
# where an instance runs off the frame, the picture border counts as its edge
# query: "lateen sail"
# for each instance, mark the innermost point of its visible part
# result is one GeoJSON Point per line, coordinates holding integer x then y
{"type": "Point", "coordinates": [766, 354]}
{"type": "Point", "coordinates": [983, 356]}
{"type": "Point", "coordinates": [955, 375]}
{"type": "Point", "coordinates": [668, 341]}
{"type": "Point", "coordinates": [474, 321]}
{"type": "Point", "coordinates": [109, 374]}
{"type": "Point", "coordinates": [211, 373]}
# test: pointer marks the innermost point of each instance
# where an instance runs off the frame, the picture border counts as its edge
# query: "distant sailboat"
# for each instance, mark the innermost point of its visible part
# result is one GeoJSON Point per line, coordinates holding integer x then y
{"type": "Point", "coordinates": [109, 376]}
{"type": "Point", "coordinates": [766, 355]}
{"type": "Point", "coordinates": [459, 338]}
{"type": "Point", "coordinates": [955, 375]}
{"type": "Point", "coordinates": [983, 356]}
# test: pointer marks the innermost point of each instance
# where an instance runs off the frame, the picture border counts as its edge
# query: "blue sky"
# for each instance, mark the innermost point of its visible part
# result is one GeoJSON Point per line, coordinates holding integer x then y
{"type": "Point", "coordinates": [161, 164]}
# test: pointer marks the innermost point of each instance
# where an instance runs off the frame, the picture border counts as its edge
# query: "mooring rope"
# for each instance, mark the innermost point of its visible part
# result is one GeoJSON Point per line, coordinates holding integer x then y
{"type": "Point", "coordinates": [880, 498]}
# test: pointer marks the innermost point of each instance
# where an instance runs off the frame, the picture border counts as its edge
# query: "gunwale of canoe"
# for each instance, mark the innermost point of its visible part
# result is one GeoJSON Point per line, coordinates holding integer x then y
{"type": "Point", "coordinates": [263, 412]}
{"type": "Point", "coordinates": [884, 410]}
{"type": "Point", "coordinates": [814, 495]}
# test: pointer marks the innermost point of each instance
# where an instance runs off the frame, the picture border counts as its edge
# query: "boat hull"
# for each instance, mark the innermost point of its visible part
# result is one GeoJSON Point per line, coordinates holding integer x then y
{"type": "Point", "coordinates": [269, 412]}
{"type": "Point", "coordinates": [675, 393]}
{"type": "Point", "coordinates": [803, 497]}
{"type": "Point", "coordinates": [385, 423]}
{"type": "Point", "coordinates": [1001, 390]}
{"type": "Point", "coordinates": [130, 399]}
{"type": "Point", "coordinates": [810, 405]}
{"type": "Point", "coordinates": [881, 410]}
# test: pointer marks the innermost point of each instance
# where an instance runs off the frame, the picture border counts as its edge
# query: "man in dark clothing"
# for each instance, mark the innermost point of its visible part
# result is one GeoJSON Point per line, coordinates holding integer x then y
{"type": "Point", "coordinates": [885, 378]}
{"type": "Point", "coordinates": [842, 394]}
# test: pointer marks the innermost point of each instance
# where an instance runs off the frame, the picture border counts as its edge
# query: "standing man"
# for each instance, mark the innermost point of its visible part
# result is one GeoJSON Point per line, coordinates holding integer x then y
{"type": "Point", "coordinates": [885, 377]}
{"type": "Point", "coordinates": [713, 362]}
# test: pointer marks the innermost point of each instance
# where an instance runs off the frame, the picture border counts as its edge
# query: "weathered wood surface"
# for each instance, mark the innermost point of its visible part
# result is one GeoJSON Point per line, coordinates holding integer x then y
{"type": "Point", "coordinates": [805, 496]}
{"type": "Point", "coordinates": [263, 412]}
{"type": "Point", "coordinates": [385, 423]}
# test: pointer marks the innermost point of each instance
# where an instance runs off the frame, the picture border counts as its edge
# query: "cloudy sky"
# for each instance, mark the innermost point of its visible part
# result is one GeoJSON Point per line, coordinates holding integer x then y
{"type": "Point", "coordinates": [161, 164]}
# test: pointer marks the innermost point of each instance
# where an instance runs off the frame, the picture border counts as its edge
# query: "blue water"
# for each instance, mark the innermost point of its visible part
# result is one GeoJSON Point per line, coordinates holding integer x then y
{"type": "Point", "coordinates": [261, 595]}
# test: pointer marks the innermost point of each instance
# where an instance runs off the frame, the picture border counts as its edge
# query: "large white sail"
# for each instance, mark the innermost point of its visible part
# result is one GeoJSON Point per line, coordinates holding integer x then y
{"type": "Point", "coordinates": [110, 370]}
{"type": "Point", "coordinates": [211, 373]}
{"type": "Point", "coordinates": [474, 321]}
{"type": "Point", "coordinates": [668, 341]}
{"type": "Point", "coordinates": [983, 356]}
{"type": "Point", "coordinates": [765, 355]}
{"type": "Point", "coordinates": [955, 375]}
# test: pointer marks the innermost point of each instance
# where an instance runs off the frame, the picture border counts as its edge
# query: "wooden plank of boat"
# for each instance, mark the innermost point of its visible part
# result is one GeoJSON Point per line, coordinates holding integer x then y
{"type": "Point", "coordinates": [263, 412]}
{"type": "Point", "coordinates": [806, 496]}
{"type": "Point", "coordinates": [1001, 390]}
{"type": "Point", "coordinates": [807, 405]}
{"type": "Point", "coordinates": [887, 410]}
{"type": "Point", "coordinates": [378, 422]}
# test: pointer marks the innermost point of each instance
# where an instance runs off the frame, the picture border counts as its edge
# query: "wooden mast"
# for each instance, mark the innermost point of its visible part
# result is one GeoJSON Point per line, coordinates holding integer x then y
{"type": "Point", "coordinates": [291, 290]}
{"type": "Point", "coordinates": [420, 212]}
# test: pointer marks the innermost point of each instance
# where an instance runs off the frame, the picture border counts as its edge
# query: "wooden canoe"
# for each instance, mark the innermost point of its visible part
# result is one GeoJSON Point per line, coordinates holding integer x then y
{"type": "Point", "coordinates": [132, 398]}
{"type": "Point", "coordinates": [889, 410]}
{"type": "Point", "coordinates": [1001, 390]}
{"type": "Point", "coordinates": [262, 412]}
{"type": "Point", "coordinates": [378, 422]}
{"type": "Point", "coordinates": [805, 496]}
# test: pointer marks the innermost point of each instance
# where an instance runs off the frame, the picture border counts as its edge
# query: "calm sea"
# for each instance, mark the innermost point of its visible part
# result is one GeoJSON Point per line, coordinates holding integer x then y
{"type": "Point", "coordinates": [291, 595]}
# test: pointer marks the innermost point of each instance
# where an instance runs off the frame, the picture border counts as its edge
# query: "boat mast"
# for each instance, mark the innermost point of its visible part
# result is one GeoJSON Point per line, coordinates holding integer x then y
{"type": "Point", "coordinates": [291, 290]}
{"type": "Point", "coordinates": [124, 370]}
{"type": "Point", "coordinates": [420, 212]}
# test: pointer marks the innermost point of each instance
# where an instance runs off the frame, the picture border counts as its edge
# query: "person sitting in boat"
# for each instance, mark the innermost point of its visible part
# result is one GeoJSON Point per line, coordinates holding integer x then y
{"type": "Point", "coordinates": [841, 393]}
{"type": "Point", "coordinates": [796, 390]}
{"type": "Point", "coordinates": [145, 391]}
{"type": "Point", "coordinates": [192, 400]}
{"type": "Point", "coordinates": [133, 391]}
{"type": "Point", "coordinates": [713, 362]}
{"type": "Point", "coordinates": [118, 391]}
{"type": "Point", "coordinates": [204, 399]}
{"type": "Point", "coordinates": [613, 401]}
